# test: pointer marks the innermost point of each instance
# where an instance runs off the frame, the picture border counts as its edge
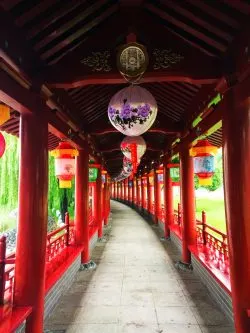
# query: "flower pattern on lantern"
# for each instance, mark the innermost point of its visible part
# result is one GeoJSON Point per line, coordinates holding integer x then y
{"type": "Point", "coordinates": [132, 110]}
{"type": "Point", "coordinates": [203, 153]}
{"type": "Point", "coordinates": [133, 148]}
{"type": "Point", "coordinates": [127, 165]}
{"type": "Point", "coordinates": [64, 163]}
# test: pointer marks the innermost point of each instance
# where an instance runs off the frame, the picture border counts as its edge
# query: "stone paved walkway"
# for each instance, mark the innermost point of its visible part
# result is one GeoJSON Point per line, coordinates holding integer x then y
{"type": "Point", "coordinates": [136, 288]}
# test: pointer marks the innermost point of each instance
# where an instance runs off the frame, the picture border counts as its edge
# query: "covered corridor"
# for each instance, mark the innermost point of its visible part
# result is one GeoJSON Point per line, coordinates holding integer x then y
{"type": "Point", "coordinates": [136, 287]}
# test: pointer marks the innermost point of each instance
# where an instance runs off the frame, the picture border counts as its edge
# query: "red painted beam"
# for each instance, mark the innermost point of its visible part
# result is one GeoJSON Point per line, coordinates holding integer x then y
{"type": "Point", "coordinates": [25, 101]}
{"type": "Point", "coordinates": [148, 77]}
{"type": "Point", "coordinates": [164, 131]}
{"type": "Point", "coordinates": [203, 127]}
{"type": "Point", "coordinates": [111, 150]}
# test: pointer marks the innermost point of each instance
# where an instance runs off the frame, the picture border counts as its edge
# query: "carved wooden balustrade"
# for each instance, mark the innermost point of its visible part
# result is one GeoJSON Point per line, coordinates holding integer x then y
{"type": "Point", "coordinates": [213, 243]}
{"type": "Point", "coordinates": [57, 241]}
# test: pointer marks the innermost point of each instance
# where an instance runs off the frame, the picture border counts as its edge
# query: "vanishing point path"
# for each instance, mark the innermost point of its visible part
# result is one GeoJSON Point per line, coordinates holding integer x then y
{"type": "Point", "coordinates": [136, 287]}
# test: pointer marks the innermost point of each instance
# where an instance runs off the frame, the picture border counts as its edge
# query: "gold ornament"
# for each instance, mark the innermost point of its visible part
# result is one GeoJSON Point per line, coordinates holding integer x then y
{"type": "Point", "coordinates": [132, 61]}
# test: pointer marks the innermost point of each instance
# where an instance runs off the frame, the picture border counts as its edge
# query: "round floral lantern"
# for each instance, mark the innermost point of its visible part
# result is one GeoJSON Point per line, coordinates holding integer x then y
{"type": "Point", "coordinates": [64, 163]}
{"type": "Point", "coordinates": [133, 147]}
{"type": "Point", "coordinates": [2, 144]}
{"type": "Point", "coordinates": [203, 153]}
{"type": "Point", "coordinates": [132, 110]}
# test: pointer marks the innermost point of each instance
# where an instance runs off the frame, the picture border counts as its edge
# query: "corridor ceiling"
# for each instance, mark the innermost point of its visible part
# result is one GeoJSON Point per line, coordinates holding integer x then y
{"type": "Point", "coordinates": [70, 47]}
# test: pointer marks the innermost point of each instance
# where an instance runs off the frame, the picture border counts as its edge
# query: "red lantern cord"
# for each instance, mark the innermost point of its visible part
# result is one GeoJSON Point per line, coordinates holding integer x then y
{"type": "Point", "coordinates": [133, 149]}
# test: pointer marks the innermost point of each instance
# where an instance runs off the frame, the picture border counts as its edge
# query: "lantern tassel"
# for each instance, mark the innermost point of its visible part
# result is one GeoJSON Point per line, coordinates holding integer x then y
{"type": "Point", "coordinates": [64, 183]}
{"type": "Point", "coordinates": [205, 181]}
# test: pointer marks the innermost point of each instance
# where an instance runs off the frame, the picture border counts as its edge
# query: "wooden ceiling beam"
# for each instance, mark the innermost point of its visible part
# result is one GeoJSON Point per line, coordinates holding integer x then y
{"type": "Point", "coordinates": [176, 22]}
{"type": "Point", "coordinates": [218, 14]}
{"type": "Point", "coordinates": [114, 149]}
{"type": "Point", "coordinates": [204, 23]}
{"type": "Point", "coordinates": [203, 77]}
{"type": "Point", "coordinates": [24, 101]}
{"type": "Point", "coordinates": [173, 129]}
{"type": "Point", "coordinates": [35, 11]}
{"type": "Point", "coordinates": [51, 18]}
{"type": "Point", "coordinates": [76, 36]}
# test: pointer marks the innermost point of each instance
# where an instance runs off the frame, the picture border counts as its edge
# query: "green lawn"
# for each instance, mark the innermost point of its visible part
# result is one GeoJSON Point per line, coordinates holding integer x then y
{"type": "Point", "coordinates": [6, 222]}
{"type": "Point", "coordinates": [214, 209]}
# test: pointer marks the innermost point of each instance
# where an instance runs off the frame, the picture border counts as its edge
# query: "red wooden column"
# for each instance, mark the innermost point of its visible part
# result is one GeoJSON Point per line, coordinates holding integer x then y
{"type": "Point", "coordinates": [133, 192]}
{"type": "Point", "coordinates": [82, 203]}
{"type": "Point", "coordinates": [32, 218]}
{"type": "Point", "coordinates": [129, 191]}
{"type": "Point", "coordinates": [236, 159]}
{"type": "Point", "coordinates": [188, 203]}
{"type": "Point", "coordinates": [105, 199]}
{"type": "Point", "coordinates": [115, 190]}
{"type": "Point", "coordinates": [156, 197]}
{"type": "Point", "coordinates": [149, 206]}
{"type": "Point", "coordinates": [111, 190]}
{"type": "Point", "coordinates": [142, 192]}
{"type": "Point", "coordinates": [108, 191]}
{"type": "Point", "coordinates": [138, 192]}
{"type": "Point", "coordinates": [98, 203]}
{"type": "Point", "coordinates": [124, 190]}
{"type": "Point", "coordinates": [168, 198]}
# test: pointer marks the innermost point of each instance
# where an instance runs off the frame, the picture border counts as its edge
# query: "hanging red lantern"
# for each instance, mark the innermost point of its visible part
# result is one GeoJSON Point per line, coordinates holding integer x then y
{"type": "Point", "coordinates": [203, 153]}
{"type": "Point", "coordinates": [2, 144]}
{"type": "Point", "coordinates": [133, 148]}
{"type": "Point", "coordinates": [64, 163]}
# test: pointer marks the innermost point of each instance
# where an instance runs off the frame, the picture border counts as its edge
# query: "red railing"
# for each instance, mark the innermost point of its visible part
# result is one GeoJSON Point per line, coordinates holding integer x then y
{"type": "Point", "coordinates": [59, 239]}
{"type": "Point", "coordinates": [214, 243]}
{"type": "Point", "coordinates": [7, 268]}
{"type": "Point", "coordinates": [92, 224]}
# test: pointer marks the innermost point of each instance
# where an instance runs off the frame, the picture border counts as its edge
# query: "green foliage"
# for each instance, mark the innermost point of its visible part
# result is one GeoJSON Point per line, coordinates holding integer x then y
{"type": "Point", "coordinates": [216, 180]}
{"type": "Point", "coordinates": [59, 200]}
{"type": "Point", "coordinates": [9, 174]}
{"type": "Point", "coordinates": [196, 182]}
{"type": "Point", "coordinates": [9, 170]}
